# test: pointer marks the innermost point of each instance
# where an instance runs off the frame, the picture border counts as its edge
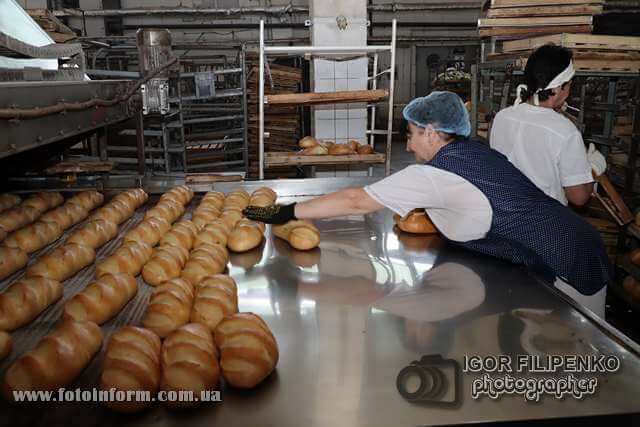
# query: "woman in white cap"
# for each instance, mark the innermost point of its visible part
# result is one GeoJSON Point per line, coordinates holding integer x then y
{"type": "Point", "coordinates": [545, 145]}
{"type": "Point", "coordinates": [477, 199]}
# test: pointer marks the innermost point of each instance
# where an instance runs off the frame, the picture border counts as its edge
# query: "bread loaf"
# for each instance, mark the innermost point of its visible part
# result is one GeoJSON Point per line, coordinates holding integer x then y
{"type": "Point", "coordinates": [231, 217]}
{"type": "Point", "coordinates": [182, 194]}
{"type": "Point", "coordinates": [204, 215]}
{"type": "Point", "coordinates": [88, 200]}
{"type": "Point", "coordinates": [182, 234]}
{"type": "Point", "coordinates": [169, 210]}
{"type": "Point", "coordinates": [340, 150]}
{"type": "Point", "coordinates": [127, 259]}
{"type": "Point", "coordinates": [25, 299]}
{"type": "Point", "coordinates": [353, 145]}
{"type": "Point", "coordinates": [11, 260]}
{"type": "Point", "coordinates": [8, 200]}
{"type": "Point", "coordinates": [15, 218]}
{"type": "Point", "coordinates": [302, 235]}
{"type": "Point", "coordinates": [261, 200]}
{"type": "Point", "coordinates": [42, 202]}
{"type": "Point", "coordinates": [634, 255]}
{"type": "Point", "coordinates": [135, 197]}
{"type": "Point", "coordinates": [307, 141]}
{"type": "Point", "coordinates": [5, 344]}
{"type": "Point", "coordinates": [131, 362]}
{"type": "Point", "coordinates": [169, 307]}
{"type": "Point", "coordinates": [365, 149]}
{"type": "Point", "coordinates": [3, 234]}
{"type": "Point", "coordinates": [416, 222]}
{"type": "Point", "coordinates": [166, 263]}
{"type": "Point", "coordinates": [213, 199]}
{"type": "Point", "coordinates": [189, 362]}
{"type": "Point", "coordinates": [102, 299]}
{"type": "Point", "coordinates": [316, 150]}
{"type": "Point", "coordinates": [56, 361]}
{"type": "Point", "coordinates": [216, 298]}
{"type": "Point", "coordinates": [205, 261]}
{"type": "Point", "coordinates": [116, 211]}
{"type": "Point", "coordinates": [35, 236]}
{"type": "Point", "coordinates": [216, 231]}
{"type": "Point", "coordinates": [66, 215]}
{"type": "Point", "coordinates": [245, 236]}
{"type": "Point", "coordinates": [63, 262]}
{"type": "Point", "coordinates": [94, 233]}
{"type": "Point", "coordinates": [248, 349]}
{"type": "Point", "coordinates": [149, 231]}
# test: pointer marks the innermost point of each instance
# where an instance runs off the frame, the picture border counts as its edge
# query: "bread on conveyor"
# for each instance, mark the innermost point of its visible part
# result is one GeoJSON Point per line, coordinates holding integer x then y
{"type": "Point", "coordinates": [248, 349]}
{"type": "Point", "coordinates": [416, 221]}
{"type": "Point", "coordinates": [11, 260]}
{"type": "Point", "coordinates": [213, 198]}
{"type": "Point", "coordinates": [149, 231]}
{"type": "Point", "coordinates": [169, 307]}
{"type": "Point", "coordinates": [307, 141]}
{"type": "Point", "coordinates": [189, 362]}
{"type": "Point", "coordinates": [131, 362]}
{"type": "Point", "coordinates": [231, 217]}
{"type": "Point", "coordinates": [216, 298]}
{"type": "Point", "coordinates": [102, 299]}
{"type": "Point", "coordinates": [204, 215]}
{"type": "Point", "coordinates": [169, 210]}
{"type": "Point", "coordinates": [263, 196]}
{"type": "Point", "coordinates": [166, 263]}
{"type": "Point", "coordinates": [66, 215]}
{"type": "Point", "coordinates": [302, 235]}
{"type": "Point", "coordinates": [128, 259]}
{"type": "Point", "coordinates": [116, 211]}
{"type": "Point", "coordinates": [182, 194]}
{"type": "Point", "coordinates": [88, 200]}
{"type": "Point", "coordinates": [15, 218]}
{"type": "Point", "coordinates": [26, 299]}
{"type": "Point", "coordinates": [205, 261]}
{"type": "Point", "coordinates": [136, 196]}
{"type": "Point", "coordinates": [8, 200]}
{"type": "Point", "coordinates": [237, 199]}
{"type": "Point", "coordinates": [182, 233]}
{"type": "Point", "coordinates": [34, 236]}
{"type": "Point", "coordinates": [245, 236]}
{"type": "Point", "coordinates": [216, 231]}
{"type": "Point", "coordinates": [43, 201]}
{"type": "Point", "coordinates": [94, 233]}
{"type": "Point", "coordinates": [5, 344]}
{"type": "Point", "coordinates": [63, 262]}
{"type": "Point", "coordinates": [56, 360]}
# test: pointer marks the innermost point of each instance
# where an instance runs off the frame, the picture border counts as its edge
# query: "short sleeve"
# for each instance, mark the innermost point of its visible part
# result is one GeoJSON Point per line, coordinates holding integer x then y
{"type": "Point", "coordinates": [572, 163]}
{"type": "Point", "coordinates": [408, 189]}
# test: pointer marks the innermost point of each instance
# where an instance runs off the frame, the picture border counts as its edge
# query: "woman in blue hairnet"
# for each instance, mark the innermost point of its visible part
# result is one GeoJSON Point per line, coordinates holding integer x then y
{"type": "Point", "coordinates": [477, 199]}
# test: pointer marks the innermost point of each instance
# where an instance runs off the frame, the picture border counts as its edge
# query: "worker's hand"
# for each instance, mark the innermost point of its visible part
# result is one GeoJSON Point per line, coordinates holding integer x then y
{"type": "Point", "coordinates": [273, 214]}
{"type": "Point", "coordinates": [597, 160]}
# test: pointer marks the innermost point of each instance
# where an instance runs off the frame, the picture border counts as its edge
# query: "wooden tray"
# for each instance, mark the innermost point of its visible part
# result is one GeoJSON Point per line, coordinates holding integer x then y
{"type": "Point", "coordinates": [297, 159]}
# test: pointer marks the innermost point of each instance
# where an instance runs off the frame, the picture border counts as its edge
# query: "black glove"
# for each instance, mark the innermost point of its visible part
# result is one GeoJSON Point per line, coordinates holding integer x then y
{"type": "Point", "coordinates": [273, 214]}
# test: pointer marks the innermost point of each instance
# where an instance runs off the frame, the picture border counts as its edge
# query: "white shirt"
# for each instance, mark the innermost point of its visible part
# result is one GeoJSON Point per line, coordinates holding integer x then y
{"type": "Point", "coordinates": [456, 207]}
{"type": "Point", "coordinates": [544, 145]}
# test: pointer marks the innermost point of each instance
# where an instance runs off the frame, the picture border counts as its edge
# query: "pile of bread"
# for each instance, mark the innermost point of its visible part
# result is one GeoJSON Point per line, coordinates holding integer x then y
{"type": "Point", "coordinates": [313, 147]}
{"type": "Point", "coordinates": [191, 334]}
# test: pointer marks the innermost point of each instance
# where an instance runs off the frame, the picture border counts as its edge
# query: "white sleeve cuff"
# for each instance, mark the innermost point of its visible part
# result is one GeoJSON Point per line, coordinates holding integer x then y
{"type": "Point", "coordinates": [572, 180]}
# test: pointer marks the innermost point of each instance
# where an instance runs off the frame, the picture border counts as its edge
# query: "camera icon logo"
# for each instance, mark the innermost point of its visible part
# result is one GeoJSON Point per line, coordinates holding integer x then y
{"type": "Point", "coordinates": [431, 380]}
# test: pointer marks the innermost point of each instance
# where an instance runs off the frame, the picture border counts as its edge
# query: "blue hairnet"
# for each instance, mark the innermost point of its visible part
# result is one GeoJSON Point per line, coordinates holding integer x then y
{"type": "Point", "coordinates": [443, 110]}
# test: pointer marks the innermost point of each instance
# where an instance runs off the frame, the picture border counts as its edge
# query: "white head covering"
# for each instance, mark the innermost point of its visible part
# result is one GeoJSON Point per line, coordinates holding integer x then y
{"type": "Point", "coordinates": [565, 76]}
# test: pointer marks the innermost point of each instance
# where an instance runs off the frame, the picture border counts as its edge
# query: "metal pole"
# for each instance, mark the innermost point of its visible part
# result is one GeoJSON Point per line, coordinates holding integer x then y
{"type": "Point", "coordinates": [261, 106]}
{"type": "Point", "coordinates": [392, 76]}
{"type": "Point", "coordinates": [165, 147]}
{"type": "Point", "coordinates": [474, 100]}
{"type": "Point", "coordinates": [245, 112]}
{"type": "Point", "coordinates": [140, 141]}
{"type": "Point", "coordinates": [374, 86]}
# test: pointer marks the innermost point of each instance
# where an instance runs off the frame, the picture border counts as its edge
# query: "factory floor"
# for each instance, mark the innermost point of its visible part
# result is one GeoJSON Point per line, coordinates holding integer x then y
{"type": "Point", "coordinates": [618, 313]}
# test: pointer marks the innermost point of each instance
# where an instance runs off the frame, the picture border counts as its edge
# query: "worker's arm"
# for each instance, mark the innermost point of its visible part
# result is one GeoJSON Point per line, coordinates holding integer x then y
{"type": "Point", "coordinates": [350, 201]}
{"type": "Point", "coordinates": [579, 195]}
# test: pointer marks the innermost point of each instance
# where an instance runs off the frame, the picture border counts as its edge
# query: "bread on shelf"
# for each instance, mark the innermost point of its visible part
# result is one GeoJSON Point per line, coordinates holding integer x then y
{"type": "Point", "coordinates": [56, 360]}
{"type": "Point", "coordinates": [11, 260]}
{"type": "Point", "coordinates": [300, 234]}
{"type": "Point", "coordinates": [316, 150]}
{"type": "Point", "coordinates": [63, 262]}
{"type": "Point", "coordinates": [94, 233]}
{"type": "Point", "coordinates": [166, 263]}
{"type": "Point", "coordinates": [189, 362]}
{"type": "Point", "coordinates": [307, 141]}
{"type": "Point", "coordinates": [25, 299]}
{"type": "Point", "coordinates": [169, 307]}
{"type": "Point", "coordinates": [5, 344]}
{"type": "Point", "coordinates": [131, 363]}
{"type": "Point", "coordinates": [417, 222]}
{"type": "Point", "coordinates": [205, 261]}
{"type": "Point", "coordinates": [248, 349]}
{"type": "Point", "coordinates": [216, 298]}
{"type": "Point", "coordinates": [34, 236]}
{"type": "Point", "coordinates": [340, 150]}
{"type": "Point", "coordinates": [365, 149]}
{"type": "Point", "coordinates": [101, 300]}
{"type": "Point", "coordinates": [127, 259]}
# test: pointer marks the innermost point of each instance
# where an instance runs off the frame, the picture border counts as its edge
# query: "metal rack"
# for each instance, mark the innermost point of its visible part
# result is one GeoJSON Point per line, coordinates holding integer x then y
{"type": "Point", "coordinates": [333, 51]}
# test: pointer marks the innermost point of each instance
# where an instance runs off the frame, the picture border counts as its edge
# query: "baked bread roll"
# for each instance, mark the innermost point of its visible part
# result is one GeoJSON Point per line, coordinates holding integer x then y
{"type": "Point", "coordinates": [316, 150]}
{"type": "Point", "coordinates": [204, 261]}
{"type": "Point", "coordinates": [43, 201]}
{"type": "Point", "coordinates": [416, 222]}
{"type": "Point", "coordinates": [15, 218]}
{"type": "Point", "coordinates": [167, 209]}
{"type": "Point", "coordinates": [302, 235]}
{"type": "Point", "coordinates": [56, 361]}
{"type": "Point", "coordinates": [35, 236]}
{"type": "Point", "coordinates": [135, 197]}
{"type": "Point", "coordinates": [263, 196]}
{"type": "Point", "coordinates": [365, 149]}
{"type": "Point", "coordinates": [231, 217]}
{"type": "Point", "coordinates": [66, 215]}
{"type": "Point", "coordinates": [94, 233]}
{"type": "Point", "coordinates": [205, 215]}
{"type": "Point", "coordinates": [131, 362]}
{"type": "Point", "coordinates": [634, 255]}
{"type": "Point", "coordinates": [102, 299]}
{"type": "Point", "coordinates": [149, 231]}
{"type": "Point", "coordinates": [189, 362]}
{"type": "Point", "coordinates": [8, 200]}
{"type": "Point", "coordinates": [245, 236]}
{"type": "Point", "coordinates": [3, 234]}
{"type": "Point", "coordinates": [307, 141]}
{"type": "Point", "coordinates": [88, 200]}
{"type": "Point", "coordinates": [216, 298]}
{"type": "Point", "coordinates": [340, 150]}
{"type": "Point", "coordinates": [248, 349]}
{"type": "Point", "coordinates": [265, 191]}
{"type": "Point", "coordinates": [5, 344]}
{"type": "Point", "coordinates": [169, 307]}
{"type": "Point", "coordinates": [11, 260]}
{"type": "Point", "coordinates": [127, 259]}
{"type": "Point", "coordinates": [25, 299]}
{"type": "Point", "coordinates": [182, 234]}
{"type": "Point", "coordinates": [213, 199]}
{"type": "Point", "coordinates": [216, 231]}
{"type": "Point", "coordinates": [237, 200]}
{"type": "Point", "coordinates": [116, 211]}
{"type": "Point", "coordinates": [166, 263]}
{"type": "Point", "coordinates": [63, 262]}
{"type": "Point", "coordinates": [182, 194]}
{"type": "Point", "coordinates": [353, 145]}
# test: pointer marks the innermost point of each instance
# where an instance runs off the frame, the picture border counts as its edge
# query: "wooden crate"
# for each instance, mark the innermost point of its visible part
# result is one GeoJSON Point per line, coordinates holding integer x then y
{"type": "Point", "coordinates": [297, 159]}
{"type": "Point", "coordinates": [521, 3]}
{"type": "Point", "coordinates": [575, 41]}
{"type": "Point", "coordinates": [551, 10]}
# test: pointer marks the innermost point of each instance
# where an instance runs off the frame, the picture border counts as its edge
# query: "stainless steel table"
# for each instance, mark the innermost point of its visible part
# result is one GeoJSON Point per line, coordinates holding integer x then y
{"type": "Point", "coordinates": [351, 314]}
